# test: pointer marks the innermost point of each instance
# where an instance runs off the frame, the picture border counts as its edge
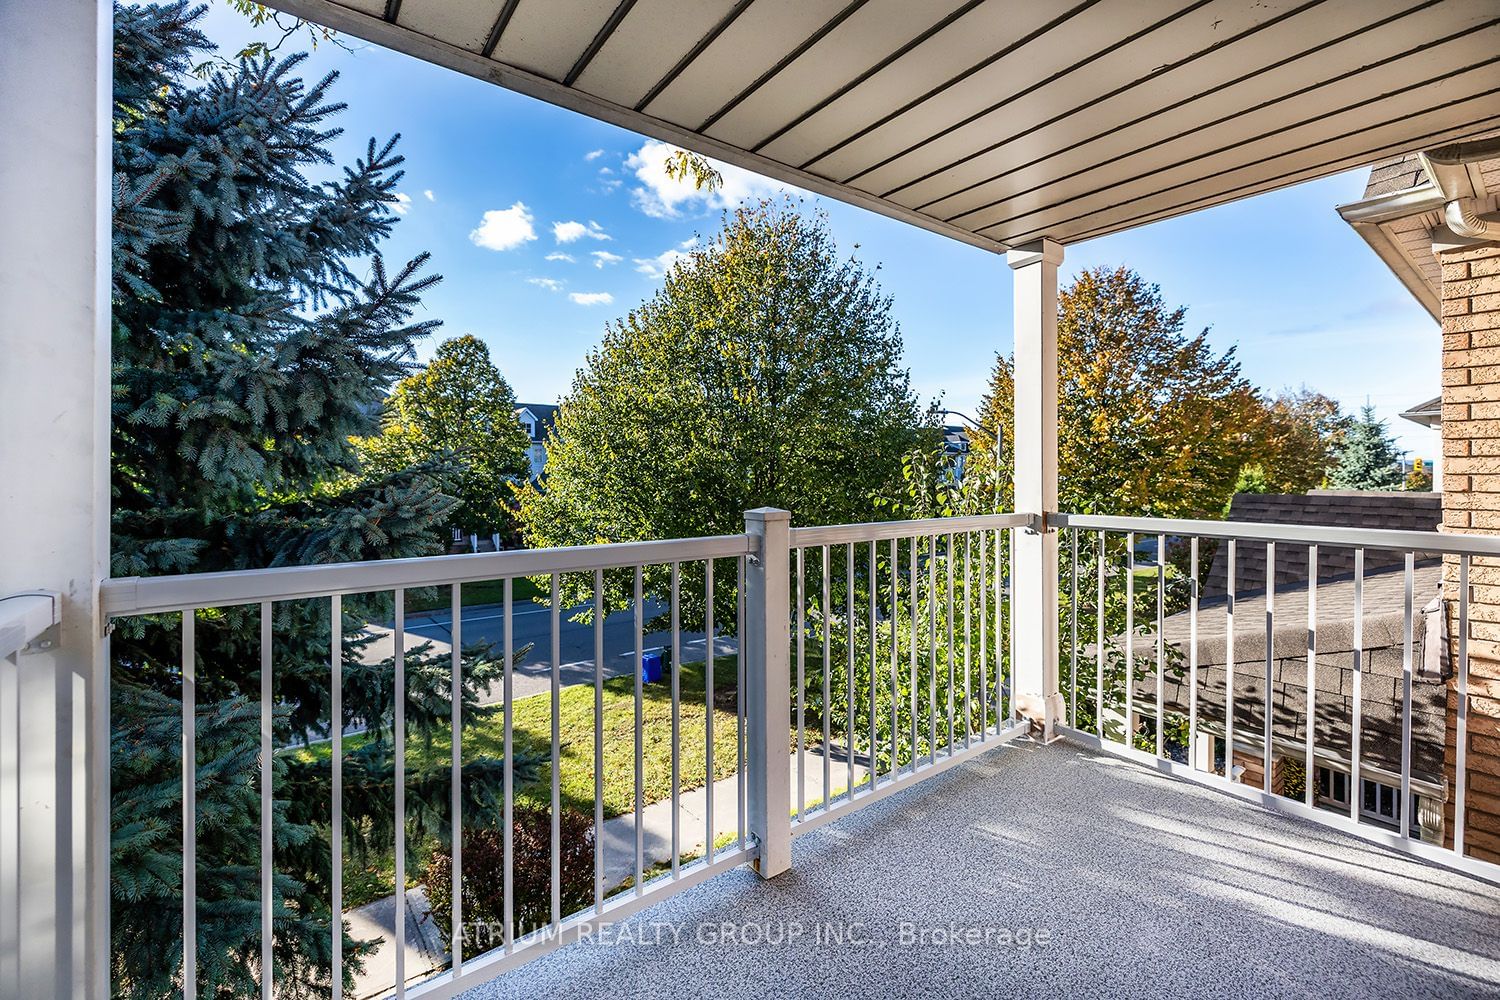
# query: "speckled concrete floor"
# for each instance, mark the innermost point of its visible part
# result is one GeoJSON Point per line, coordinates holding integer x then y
{"type": "Point", "coordinates": [1145, 885]}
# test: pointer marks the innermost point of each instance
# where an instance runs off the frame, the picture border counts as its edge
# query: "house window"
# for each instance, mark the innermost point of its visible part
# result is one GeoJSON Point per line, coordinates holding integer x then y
{"type": "Point", "coordinates": [1333, 787]}
{"type": "Point", "coordinates": [1378, 802]}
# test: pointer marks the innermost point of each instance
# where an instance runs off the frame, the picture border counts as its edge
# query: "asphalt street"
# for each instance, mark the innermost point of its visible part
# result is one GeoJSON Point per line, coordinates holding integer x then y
{"type": "Point", "coordinates": [533, 627]}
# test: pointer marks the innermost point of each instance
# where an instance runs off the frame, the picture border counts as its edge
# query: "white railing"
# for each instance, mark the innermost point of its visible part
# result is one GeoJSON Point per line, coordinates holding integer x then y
{"type": "Point", "coordinates": [911, 641]}
{"type": "Point", "coordinates": [1167, 693]}
{"type": "Point", "coordinates": [628, 566]}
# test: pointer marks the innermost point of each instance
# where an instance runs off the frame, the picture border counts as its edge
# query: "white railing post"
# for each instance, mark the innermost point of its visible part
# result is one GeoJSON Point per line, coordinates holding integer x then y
{"type": "Point", "coordinates": [1037, 692]}
{"type": "Point", "coordinates": [767, 643]}
{"type": "Point", "coordinates": [54, 492]}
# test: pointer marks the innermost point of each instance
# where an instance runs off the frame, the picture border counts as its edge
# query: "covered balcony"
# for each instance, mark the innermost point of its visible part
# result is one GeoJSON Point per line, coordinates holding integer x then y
{"type": "Point", "coordinates": [1003, 752]}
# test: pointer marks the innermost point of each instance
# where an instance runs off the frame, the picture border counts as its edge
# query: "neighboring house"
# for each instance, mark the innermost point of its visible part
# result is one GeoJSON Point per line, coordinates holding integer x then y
{"type": "Point", "coordinates": [1381, 640]}
{"type": "Point", "coordinates": [537, 419]}
{"type": "Point", "coordinates": [956, 448]}
{"type": "Point", "coordinates": [1430, 414]}
{"type": "Point", "coordinates": [1432, 218]}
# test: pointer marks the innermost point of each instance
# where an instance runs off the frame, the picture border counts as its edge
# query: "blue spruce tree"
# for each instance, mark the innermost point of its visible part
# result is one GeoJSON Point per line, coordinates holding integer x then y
{"type": "Point", "coordinates": [256, 329]}
{"type": "Point", "coordinates": [1367, 458]}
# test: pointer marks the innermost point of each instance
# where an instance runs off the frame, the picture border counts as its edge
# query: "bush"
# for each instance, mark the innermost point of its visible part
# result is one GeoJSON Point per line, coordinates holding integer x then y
{"type": "Point", "coordinates": [484, 876]}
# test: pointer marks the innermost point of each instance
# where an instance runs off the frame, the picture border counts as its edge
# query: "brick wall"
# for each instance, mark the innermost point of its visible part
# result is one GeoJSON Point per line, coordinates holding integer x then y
{"type": "Point", "coordinates": [1471, 504]}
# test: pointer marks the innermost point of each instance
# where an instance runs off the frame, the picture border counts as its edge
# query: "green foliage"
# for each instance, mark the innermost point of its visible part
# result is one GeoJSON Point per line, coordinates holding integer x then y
{"type": "Point", "coordinates": [459, 407]}
{"type": "Point", "coordinates": [682, 165]}
{"type": "Point", "coordinates": [256, 329]}
{"type": "Point", "coordinates": [766, 372]}
{"type": "Point", "coordinates": [1252, 479]}
{"type": "Point", "coordinates": [1418, 480]}
{"type": "Point", "coordinates": [1368, 459]}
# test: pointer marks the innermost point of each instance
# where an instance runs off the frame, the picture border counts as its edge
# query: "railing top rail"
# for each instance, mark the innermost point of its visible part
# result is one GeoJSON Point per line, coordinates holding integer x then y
{"type": "Point", "coordinates": [842, 534]}
{"type": "Point", "coordinates": [1366, 538]}
{"type": "Point", "coordinates": [158, 594]}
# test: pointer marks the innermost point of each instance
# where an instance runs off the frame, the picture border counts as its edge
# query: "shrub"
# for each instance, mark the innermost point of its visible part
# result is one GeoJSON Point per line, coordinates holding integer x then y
{"type": "Point", "coordinates": [484, 876]}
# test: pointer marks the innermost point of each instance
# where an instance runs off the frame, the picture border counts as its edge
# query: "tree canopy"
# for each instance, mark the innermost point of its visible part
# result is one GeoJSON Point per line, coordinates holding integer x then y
{"type": "Point", "coordinates": [766, 371]}
{"type": "Point", "coordinates": [459, 407]}
{"type": "Point", "coordinates": [1368, 458]}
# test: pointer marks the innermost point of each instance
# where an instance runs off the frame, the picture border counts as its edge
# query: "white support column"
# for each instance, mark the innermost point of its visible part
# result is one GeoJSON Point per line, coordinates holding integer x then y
{"type": "Point", "coordinates": [768, 676]}
{"type": "Point", "coordinates": [55, 75]}
{"type": "Point", "coordinates": [1038, 695]}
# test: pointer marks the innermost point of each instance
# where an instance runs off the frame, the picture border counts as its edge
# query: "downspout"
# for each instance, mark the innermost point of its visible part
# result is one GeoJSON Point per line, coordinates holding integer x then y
{"type": "Point", "coordinates": [1464, 221]}
{"type": "Point", "coordinates": [1448, 170]}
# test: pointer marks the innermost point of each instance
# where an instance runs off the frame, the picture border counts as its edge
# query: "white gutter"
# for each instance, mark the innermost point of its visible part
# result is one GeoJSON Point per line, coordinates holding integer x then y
{"type": "Point", "coordinates": [1449, 172]}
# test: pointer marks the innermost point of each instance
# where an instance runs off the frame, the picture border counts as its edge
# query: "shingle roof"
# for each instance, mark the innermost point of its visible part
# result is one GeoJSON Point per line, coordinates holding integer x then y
{"type": "Point", "coordinates": [1395, 175]}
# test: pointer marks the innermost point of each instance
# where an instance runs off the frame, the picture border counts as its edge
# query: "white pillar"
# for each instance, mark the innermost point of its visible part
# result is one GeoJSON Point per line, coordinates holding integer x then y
{"type": "Point", "coordinates": [1038, 695]}
{"type": "Point", "coordinates": [768, 676]}
{"type": "Point", "coordinates": [55, 75]}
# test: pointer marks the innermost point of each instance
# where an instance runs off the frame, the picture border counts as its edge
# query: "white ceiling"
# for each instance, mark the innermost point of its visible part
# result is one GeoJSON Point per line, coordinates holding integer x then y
{"type": "Point", "coordinates": [993, 122]}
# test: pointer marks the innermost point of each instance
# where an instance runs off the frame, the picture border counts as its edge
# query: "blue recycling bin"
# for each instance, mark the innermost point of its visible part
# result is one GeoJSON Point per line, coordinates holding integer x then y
{"type": "Point", "coordinates": [651, 666]}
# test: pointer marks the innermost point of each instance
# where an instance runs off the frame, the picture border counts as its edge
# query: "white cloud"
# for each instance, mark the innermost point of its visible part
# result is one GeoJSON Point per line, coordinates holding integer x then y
{"type": "Point", "coordinates": [591, 298]}
{"type": "Point", "coordinates": [504, 228]}
{"type": "Point", "coordinates": [663, 197]}
{"type": "Point", "coordinates": [429, 195]}
{"type": "Point", "coordinates": [658, 266]}
{"type": "Point", "coordinates": [566, 258]}
{"type": "Point", "coordinates": [593, 154]}
{"type": "Point", "coordinates": [605, 171]}
{"type": "Point", "coordinates": [571, 232]}
{"type": "Point", "coordinates": [551, 284]}
{"type": "Point", "coordinates": [402, 204]}
{"type": "Point", "coordinates": [603, 257]}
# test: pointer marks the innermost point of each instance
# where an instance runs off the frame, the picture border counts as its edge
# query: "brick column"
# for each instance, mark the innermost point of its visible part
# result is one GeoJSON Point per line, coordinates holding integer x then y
{"type": "Point", "coordinates": [1471, 504]}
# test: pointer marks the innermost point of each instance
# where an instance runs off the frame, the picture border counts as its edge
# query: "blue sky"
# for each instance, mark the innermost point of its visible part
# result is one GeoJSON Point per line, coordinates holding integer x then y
{"type": "Point", "coordinates": [1280, 277]}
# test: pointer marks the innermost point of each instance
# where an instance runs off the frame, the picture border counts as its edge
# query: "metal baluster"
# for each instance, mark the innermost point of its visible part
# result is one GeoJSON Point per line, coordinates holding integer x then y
{"type": "Point", "coordinates": [950, 644]}
{"type": "Point", "coordinates": [509, 931]}
{"type": "Point", "coordinates": [968, 602]}
{"type": "Point", "coordinates": [1309, 765]}
{"type": "Point", "coordinates": [999, 583]}
{"type": "Point", "coordinates": [1229, 665]}
{"type": "Point", "coordinates": [1358, 695]}
{"type": "Point", "coordinates": [1193, 653]}
{"type": "Point", "coordinates": [556, 751]}
{"type": "Point", "coordinates": [400, 742]}
{"type": "Point", "coordinates": [853, 639]}
{"type": "Point", "coordinates": [708, 709]}
{"type": "Point", "coordinates": [267, 957]}
{"type": "Point", "coordinates": [639, 802]}
{"type": "Point", "coordinates": [1461, 762]}
{"type": "Point", "coordinates": [801, 685]}
{"type": "Point", "coordinates": [1099, 646]}
{"type": "Point", "coordinates": [598, 741]}
{"type": "Point", "coordinates": [1130, 639]}
{"type": "Point", "coordinates": [826, 711]}
{"type": "Point", "coordinates": [1269, 733]}
{"type": "Point", "coordinates": [873, 673]}
{"type": "Point", "coordinates": [1161, 644]}
{"type": "Point", "coordinates": [984, 670]}
{"type": "Point", "coordinates": [874, 652]}
{"type": "Point", "coordinates": [676, 722]}
{"type": "Point", "coordinates": [739, 696]}
{"type": "Point", "coordinates": [895, 656]}
{"type": "Point", "coordinates": [336, 807]}
{"type": "Point", "coordinates": [1073, 629]}
{"type": "Point", "coordinates": [1010, 592]}
{"type": "Point", "coordinates": [911, 645]}
{"type": "Point", "coordinates": [932, 592]}
{"type": "Point", "coordinates": [189, 806]}
{"type": "Point", "coordinates": [1408, 617]}
{"type": "Point", "coordinates": [455, 772]}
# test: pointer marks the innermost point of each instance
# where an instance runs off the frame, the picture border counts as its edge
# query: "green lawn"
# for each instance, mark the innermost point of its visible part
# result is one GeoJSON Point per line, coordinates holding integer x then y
{"type": "Point", "coordinates": [485, 737]}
